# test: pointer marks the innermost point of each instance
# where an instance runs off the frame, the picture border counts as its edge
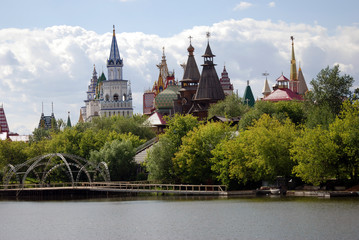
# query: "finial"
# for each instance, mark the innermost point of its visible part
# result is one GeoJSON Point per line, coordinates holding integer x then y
{"type": "Point", "coordinates": [266, 74]}
{"type": "Point", "coordinates": [42, 107]}
{"type": "Point", "coordinates": [113, 30]}
{"type": "Point", "coordinates": [52, 107]}
{"type": "Point", "coordinates": [208, 35]}
{"type": "Point", "coordinates": [247, 82]}
{"type": "Point", "coordinates": [190, 39]}
{"type": "Point", "coordinates": [163, 50]}
{"type": "Point", "coordinates": [68, 113]}
{"type": "Point", "coordinates": [292, 38]}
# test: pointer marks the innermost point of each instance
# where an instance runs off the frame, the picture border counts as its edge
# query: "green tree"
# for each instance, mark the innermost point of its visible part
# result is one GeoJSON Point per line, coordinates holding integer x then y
{"type": "Point", "coordinates": [315, 155]}
{"type": "Point", "coordinates": [192, 161]}
{"type": "Point", "coordinates": [231, 106]}
{"type": "Point", "coordinates": [119, 157]}
{"type": "Point", "coordinates": [345, 133]}
{"type": "Point", "coordinates": [159, 159]}
{"type": "Point", "coordinates": [330, 88]}
{"type": "Point", "coordinates": [259, 153]}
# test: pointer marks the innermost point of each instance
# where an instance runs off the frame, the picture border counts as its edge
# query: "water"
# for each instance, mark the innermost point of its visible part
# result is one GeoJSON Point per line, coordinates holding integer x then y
{"type": "Point", "coordinates": [181, 218]}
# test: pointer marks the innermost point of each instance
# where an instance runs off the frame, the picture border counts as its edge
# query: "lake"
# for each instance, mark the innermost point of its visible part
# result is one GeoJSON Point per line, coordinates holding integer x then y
{"type": "Point", "coordinates": [181, 218]}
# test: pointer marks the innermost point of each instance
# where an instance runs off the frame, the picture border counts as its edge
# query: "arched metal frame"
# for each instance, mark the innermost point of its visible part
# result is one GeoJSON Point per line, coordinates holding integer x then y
{"type": "Point", "coordinates": [74, 167]}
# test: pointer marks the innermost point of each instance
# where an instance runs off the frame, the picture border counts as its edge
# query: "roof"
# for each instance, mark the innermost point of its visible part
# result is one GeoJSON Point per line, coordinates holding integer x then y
{"type": "Point", "coordinates": [209, 87]}
{"type": "Point", "coordinates": [248, 97]}
{"type": "Point", "coordinates": [282, 94]}
{"type": "Point", "coordinates": [114, 58]}
{"type": "Point", "coordinates": [302, 85]}
{"type": "Point", "coordinates": [282, 78]}
{"type": "Point", "coordinates": [224, 119]}
{"type": "Point", "coordinates": [191, 73]}
{"type": "Point", "coordinates": [156, 119]}
{"type": "Point", "coordinates": [266, 89]}
{"type": "Point", "coordinates": [4, 127]}
{"type": "Point", "coordinates": [165, 98]}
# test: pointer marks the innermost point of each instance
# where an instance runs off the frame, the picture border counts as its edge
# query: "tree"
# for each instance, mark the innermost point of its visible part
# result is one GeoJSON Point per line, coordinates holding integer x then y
{"type": "Point", "coordinates": [231, 106]}
{"type": "Point", "coordinates": [315, 155]}
{"type": "Point", "coordinates": [192, 161]}
{"type": "Point", "coordinates": [119, 157]}
{"type": "Point", "coordinates": [259, 153]}
{"type": "Point", "coordinates": [330, 88]}
{"type": "Point", "coordinates": [159, 159]}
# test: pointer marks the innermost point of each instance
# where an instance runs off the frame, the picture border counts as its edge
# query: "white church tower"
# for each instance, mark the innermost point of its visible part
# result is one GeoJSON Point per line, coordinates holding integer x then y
{"type": "Point", "coordinates": [112, 96]}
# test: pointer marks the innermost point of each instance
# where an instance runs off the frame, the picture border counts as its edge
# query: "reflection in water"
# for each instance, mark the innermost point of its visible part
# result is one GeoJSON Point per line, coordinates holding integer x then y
{"type": "Point", "coordinates": [181, 217]}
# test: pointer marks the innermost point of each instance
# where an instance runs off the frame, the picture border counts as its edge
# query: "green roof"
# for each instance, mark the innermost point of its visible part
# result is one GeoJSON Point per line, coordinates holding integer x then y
{"type": "Point", "coordinates": [166, 97]}
{"type": "Point", "coordinates": [248, 97]}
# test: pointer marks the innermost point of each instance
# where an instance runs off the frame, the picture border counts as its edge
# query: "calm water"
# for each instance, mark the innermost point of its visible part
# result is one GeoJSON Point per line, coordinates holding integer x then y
{"type": "Point", "coordinates": [181, 218]}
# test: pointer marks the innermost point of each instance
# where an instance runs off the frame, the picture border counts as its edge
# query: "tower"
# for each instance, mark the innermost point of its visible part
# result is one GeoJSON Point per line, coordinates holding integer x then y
{"type": "Point", "coordinates": [4, 127]}
{"type": "Point", "coordinates": [226, 82]}
{"type": "Point", "coordinates": [112, 96]}
{"type": "Point", "coordinates": [293, 83]}
{"type": "Point", "coordinates": [189, 82]}
{"type": "Point", "coordinates": [209, 90]}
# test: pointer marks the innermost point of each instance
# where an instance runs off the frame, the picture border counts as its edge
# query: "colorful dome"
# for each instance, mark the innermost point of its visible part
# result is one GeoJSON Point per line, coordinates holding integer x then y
{"type": "Point", "coordinates": [165, 98]}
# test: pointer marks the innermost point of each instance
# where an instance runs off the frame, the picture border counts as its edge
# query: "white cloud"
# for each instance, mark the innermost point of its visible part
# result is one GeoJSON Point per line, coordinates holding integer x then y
{"type": "Point", "coordinates": [55, 64]}
{"type": "Point", "coordinates": [242, 6]}
{"type": "Point", "coordinates": [271, 4]}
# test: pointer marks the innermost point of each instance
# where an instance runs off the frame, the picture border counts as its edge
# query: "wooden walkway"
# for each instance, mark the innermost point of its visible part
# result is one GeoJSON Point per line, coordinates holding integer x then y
{"type": "Point", "coordinates": [125, 187]}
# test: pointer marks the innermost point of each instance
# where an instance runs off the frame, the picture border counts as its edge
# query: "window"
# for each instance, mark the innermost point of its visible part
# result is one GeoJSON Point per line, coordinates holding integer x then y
{"type": "Point", "coordinates": [115, 97]}
{"type": "Point", "coordinates": [107, 97]}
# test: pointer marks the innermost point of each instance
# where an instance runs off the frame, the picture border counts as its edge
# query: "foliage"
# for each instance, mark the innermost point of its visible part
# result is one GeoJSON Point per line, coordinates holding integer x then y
{"type": "Point", "coordinates": [329, 88]}
{"type": "Point", "coordinates": [231, 106]}
{"type": "Point", "coordinates": [12, 153]}
{"type": "Point", "coordinates": [119, 157]}
{"type": "Point", "coordinates": [159, 159]}
{"type": "Point", "coordinates": [192, 161]}
{"type": "Point", "coordinates": [282, 110]}
{"type": "Point", "coordinates": [334, 153]}
{"type": "Point", "coordinates": [315, 155]}
{"type": "Point", "coordinates": [260, 152]}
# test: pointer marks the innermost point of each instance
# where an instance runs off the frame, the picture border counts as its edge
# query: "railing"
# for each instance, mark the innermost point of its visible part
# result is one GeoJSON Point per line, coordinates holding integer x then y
{"type": "Point", "coordinates": [126, 187]}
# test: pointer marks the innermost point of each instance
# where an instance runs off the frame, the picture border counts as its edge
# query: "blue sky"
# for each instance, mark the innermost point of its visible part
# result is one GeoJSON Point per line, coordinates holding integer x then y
{"type": "Point", "coordinates": [48, 47]}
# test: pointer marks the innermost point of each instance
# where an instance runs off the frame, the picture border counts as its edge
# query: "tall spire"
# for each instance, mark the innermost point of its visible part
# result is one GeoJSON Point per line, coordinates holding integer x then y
{"type": "Point", "coordinates": [114, 63]}
{"type": "Point", "coordinates": [68, 124]}
{"type": "Point", "coordinates": [293, 66]}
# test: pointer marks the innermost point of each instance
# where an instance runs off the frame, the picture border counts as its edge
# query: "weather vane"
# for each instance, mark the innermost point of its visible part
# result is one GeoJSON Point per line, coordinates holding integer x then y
{"type": "Point", "coordinates": [265, 74]}
{"type": "Point", "coordinates": [291, 37]}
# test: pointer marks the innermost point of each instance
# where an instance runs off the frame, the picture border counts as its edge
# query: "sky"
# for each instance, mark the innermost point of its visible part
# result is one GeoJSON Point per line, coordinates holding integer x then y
{"type": "Point", "coordinates": [48, 47]}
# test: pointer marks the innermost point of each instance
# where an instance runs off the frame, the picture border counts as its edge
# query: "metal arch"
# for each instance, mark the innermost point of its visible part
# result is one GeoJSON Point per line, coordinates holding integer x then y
{"type": "Point", "coordinates": [104, 172]}
{"type": "Point", "coordinates": [67, 160]}
{"type": "Point", "coordinates": [51, 155]}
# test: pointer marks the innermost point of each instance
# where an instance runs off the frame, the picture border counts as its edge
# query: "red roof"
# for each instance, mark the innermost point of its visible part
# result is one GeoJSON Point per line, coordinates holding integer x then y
{"type": "Point", "coordinates": [282, 94]}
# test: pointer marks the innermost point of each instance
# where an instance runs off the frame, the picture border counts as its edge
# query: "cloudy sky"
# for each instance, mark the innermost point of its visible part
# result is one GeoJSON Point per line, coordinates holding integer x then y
{"type": "Point", "coordinates": [48, 47]}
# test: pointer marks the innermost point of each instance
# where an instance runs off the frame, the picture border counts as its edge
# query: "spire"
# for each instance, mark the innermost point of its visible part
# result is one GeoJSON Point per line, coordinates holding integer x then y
{"type": "Point", "coordinates": [293, 66]}
{"type": "Point", "coordinates": [209, 87]}
{"type": "Point", "coordinates": [248, 98]}
{"type": "Point", "coordinates": [266, 89]}
{"type": "Point", "coordinates": [68, 120]}
{"type": "Point", "coordinates": [81, 119]}
{"type": "Point", "coordinates": [302, 85]}
{"type": "Point", "coordinates": [114, 58]}
{"type": "Point", "coordinates": [191, 72]}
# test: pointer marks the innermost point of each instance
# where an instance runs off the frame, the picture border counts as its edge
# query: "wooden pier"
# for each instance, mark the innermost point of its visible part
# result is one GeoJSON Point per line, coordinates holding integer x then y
{"type": "Point", "coordinates": [113, 188]}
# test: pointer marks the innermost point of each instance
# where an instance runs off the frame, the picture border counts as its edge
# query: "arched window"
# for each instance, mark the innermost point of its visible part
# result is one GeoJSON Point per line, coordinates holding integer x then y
{"type": "Point", "coordinates": [115, 97]}
{"type": "Point", "coordinates": [124, 97]}
{"type": "Point", "coordinates": [107, 97]}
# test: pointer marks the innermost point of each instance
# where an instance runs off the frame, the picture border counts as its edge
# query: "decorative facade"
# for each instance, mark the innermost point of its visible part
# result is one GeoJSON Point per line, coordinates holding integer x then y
{"type": "Point", "coordinates": [112, 96]}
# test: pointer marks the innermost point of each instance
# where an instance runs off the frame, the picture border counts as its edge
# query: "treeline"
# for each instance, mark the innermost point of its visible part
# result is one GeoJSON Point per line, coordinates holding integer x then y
{"type": "Point", "coordinates": [277, 143]}
{"type": "Point", "coordinates": [315, 140]}
{"type": "Point", "coordinates": [113, 140]}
